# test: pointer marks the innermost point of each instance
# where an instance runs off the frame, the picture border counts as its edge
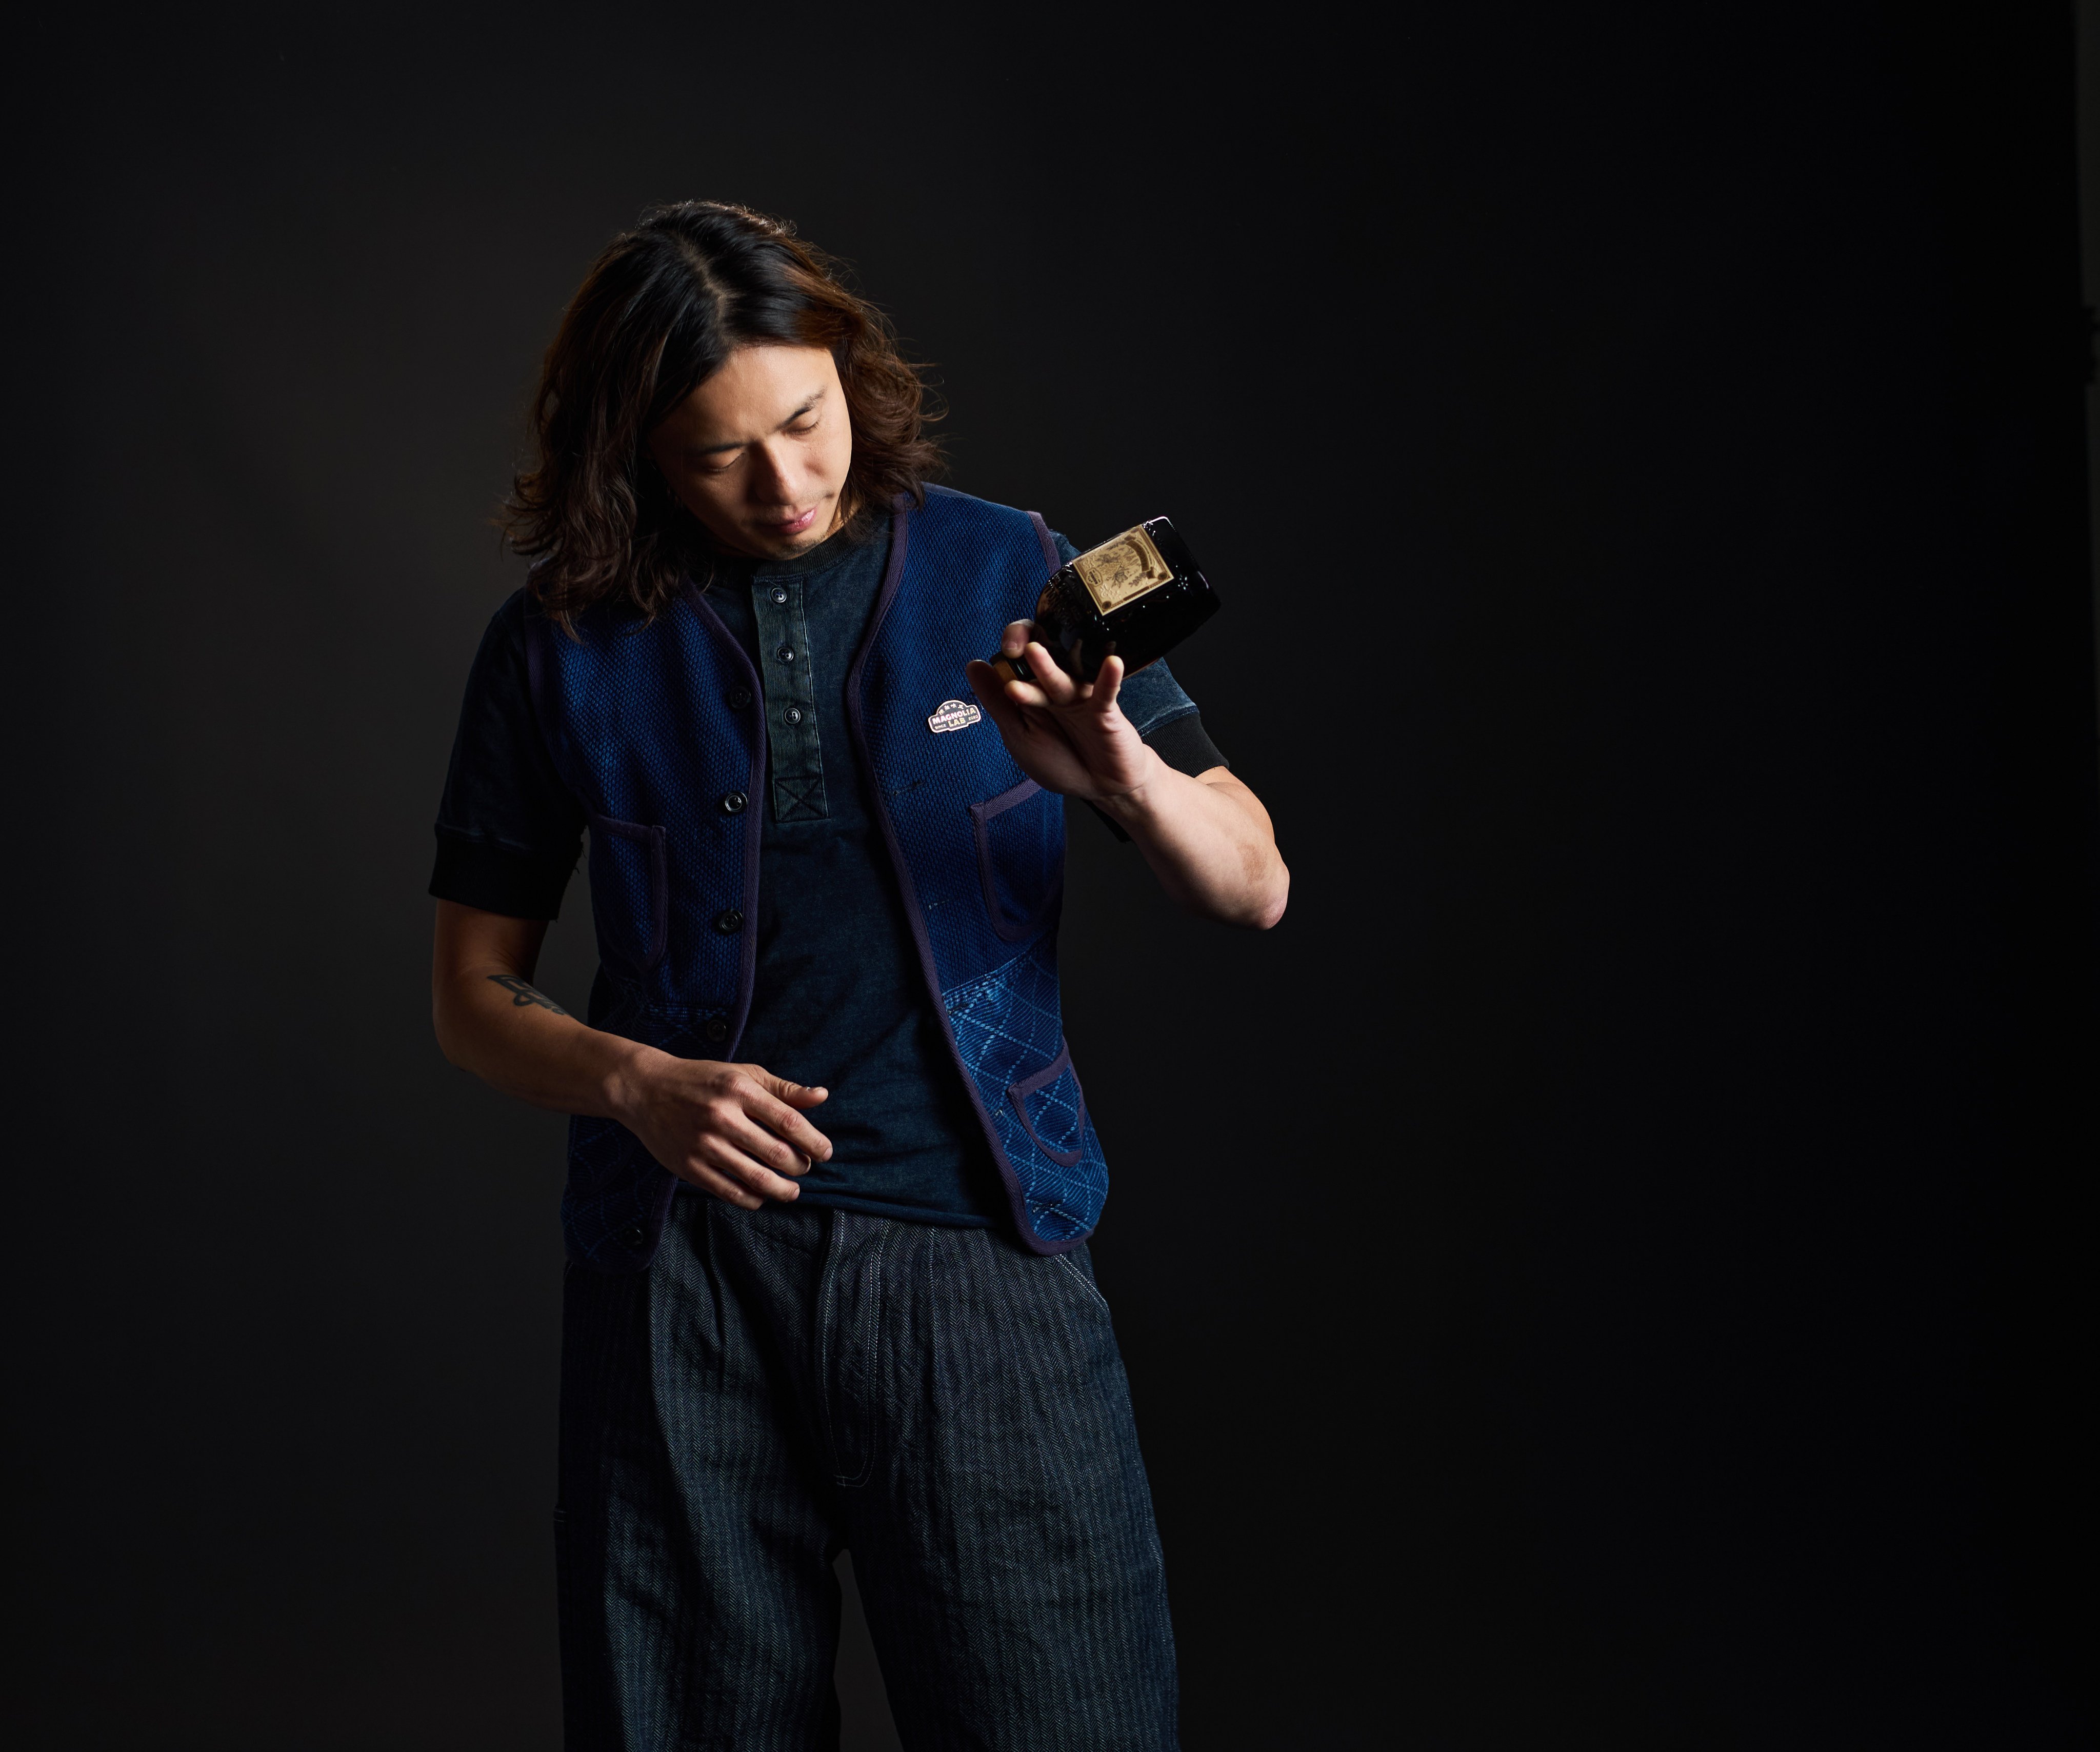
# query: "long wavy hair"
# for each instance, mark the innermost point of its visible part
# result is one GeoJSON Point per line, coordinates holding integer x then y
{"type": "Point", "coordinates": [659, 312]}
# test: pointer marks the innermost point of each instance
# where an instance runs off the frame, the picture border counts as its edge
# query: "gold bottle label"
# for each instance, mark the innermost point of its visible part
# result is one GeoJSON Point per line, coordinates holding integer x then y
{"type": "Point", "coordinates": [1123, 569]}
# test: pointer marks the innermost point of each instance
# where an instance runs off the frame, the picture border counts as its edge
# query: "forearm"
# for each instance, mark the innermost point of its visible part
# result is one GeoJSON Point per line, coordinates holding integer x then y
{"type": "Point", "coordinates": [491, 1021]}
{"type": "Point", "coordinates": [735, 1131]}
{"type": "Point", "coordinates": [1209, 842]}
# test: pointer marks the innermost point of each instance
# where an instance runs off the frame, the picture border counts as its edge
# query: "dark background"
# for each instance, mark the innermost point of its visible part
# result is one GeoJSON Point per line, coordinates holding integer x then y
{"type": "Point", "coordinates": [1613, 1269]}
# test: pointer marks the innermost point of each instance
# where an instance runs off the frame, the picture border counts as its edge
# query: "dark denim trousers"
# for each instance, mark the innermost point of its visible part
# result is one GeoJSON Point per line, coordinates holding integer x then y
{"type": "Point", "coordinates": [783, 1383]}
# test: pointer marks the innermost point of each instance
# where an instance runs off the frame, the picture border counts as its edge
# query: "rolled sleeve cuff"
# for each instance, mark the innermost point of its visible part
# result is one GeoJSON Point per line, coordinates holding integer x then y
{"type": "Point", "coordinates": [1184, 744]}
{"type": "Point", "coordinates": [496, 879]}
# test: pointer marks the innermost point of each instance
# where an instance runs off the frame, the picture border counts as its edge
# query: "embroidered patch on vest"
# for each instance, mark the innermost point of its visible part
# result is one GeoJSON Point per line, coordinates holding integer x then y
{"type": "Point", "coordinates": [955, 714]}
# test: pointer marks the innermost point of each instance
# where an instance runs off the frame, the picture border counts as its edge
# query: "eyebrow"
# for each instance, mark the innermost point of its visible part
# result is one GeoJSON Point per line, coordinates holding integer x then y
{"type": "Point", "coordinates": [716, 450]}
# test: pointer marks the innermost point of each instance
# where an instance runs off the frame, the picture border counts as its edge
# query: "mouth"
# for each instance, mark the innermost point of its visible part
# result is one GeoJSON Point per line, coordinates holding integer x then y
{"type": "Point", "coordinates": [790, 526]}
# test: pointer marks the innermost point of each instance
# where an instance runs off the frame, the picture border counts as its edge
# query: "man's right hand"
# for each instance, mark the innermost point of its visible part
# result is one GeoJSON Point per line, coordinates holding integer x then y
{"type": "Point", "coordinates": [735, 1131]}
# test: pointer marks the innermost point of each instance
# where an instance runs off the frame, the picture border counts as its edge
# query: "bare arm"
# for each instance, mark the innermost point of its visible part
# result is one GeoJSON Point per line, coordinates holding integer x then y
{"type": "Point", "coordinates": [735, 1131]}
{"type": "Point", "coordinates": [1207, 838]}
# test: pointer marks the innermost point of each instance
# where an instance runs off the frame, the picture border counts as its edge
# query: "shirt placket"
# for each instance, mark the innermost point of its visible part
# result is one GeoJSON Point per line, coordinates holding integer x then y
{"type": "Point", "coordinates": [795, 758]}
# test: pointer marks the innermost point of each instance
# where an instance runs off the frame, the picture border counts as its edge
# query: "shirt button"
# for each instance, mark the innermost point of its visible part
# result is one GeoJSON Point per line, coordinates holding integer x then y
{"type": "Point", "coordinates": [717, 1030]}
{"type": "Point", "coordinates": [779, 596]}
{"type": "Point", "coordinates": [739, 699]}
{"type": "Point", "coordinates": [733, 804]}
{"type": "Point", "coordinates": [786, 654]}
{"type": "Point", "coordinates": [729, 921]}
{"type": "Point", "coordinates": [792, 715]}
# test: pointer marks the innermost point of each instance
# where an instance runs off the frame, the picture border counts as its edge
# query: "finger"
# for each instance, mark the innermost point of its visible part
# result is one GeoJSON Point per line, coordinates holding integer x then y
{"type": "Point", "coordinates": [772, 1111]}
{"type": "Point", "coordinates": [784, 1122]}
{"type": "Point", "coordinates": [1028, 696]}
{"type": "Point", "coordinates": [1108, 683]}
{"type": "Point", "coordinates": [716, 1151]}
{"type": "Point", "coordinates": [1057, 687]}
{"type": "Point", "coordinates": [786, 1088]}
{"type": "Point", "coordinates": [1002, 698]}
{"type": "Point", "coordinates": [722, 1186]}
{"type": "Point", "coordinates": [766, 1147]}
{"type": "Point", "coordinates": [1019, 710]}
{"type": "Point", "coordinates": [795, 1094]}
{"type": "Point", "coordinates": [991, 694]}
{"type": "Point", "coordinates": [1014, 640]}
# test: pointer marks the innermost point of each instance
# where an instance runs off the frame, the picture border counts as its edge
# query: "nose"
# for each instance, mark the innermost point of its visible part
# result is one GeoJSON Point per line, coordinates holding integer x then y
{"type": "Point", "coordinates": [772, 478]}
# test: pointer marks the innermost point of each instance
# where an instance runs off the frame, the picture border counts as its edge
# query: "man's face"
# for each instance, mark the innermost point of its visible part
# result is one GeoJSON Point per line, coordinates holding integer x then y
{"type": "Point", "coordinates": [758, 452]}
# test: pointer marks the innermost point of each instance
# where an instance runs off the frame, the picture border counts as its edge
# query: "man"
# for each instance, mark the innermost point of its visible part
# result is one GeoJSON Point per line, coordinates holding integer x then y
{"type": "Point", "coordinates": [831, 1171]}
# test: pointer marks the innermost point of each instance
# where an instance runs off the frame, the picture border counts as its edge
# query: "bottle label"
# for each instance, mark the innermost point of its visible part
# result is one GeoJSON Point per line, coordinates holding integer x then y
{"type": "Point", "coordinates": [1121, 570]}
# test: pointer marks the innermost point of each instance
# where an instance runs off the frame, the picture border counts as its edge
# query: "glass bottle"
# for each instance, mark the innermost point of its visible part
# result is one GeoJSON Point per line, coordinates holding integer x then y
{"type": "Point", "coordinates": [1135, 597]}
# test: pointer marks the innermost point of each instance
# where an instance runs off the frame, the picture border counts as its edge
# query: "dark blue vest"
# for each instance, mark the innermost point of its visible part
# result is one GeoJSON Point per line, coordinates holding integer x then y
{"type": "Point", "coordinates": [658, 729]}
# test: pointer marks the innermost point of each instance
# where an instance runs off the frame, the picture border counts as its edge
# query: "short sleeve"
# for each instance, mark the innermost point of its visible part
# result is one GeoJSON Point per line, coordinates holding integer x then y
{"type": "Point", "coordinates": [509, 830]}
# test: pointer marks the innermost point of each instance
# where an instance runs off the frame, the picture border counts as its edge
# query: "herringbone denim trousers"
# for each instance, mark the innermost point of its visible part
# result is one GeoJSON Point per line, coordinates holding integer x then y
{"type": "Point", "coordinates": [780, 1384]}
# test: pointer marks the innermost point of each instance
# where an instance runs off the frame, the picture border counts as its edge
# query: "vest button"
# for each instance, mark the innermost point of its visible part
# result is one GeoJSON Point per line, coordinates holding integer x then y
{"type": "Point", "coordinates": [739, 699]}
{"type": "Point", "coordinates": [634, 1236]}
{"type": "Point", "coordinates": [716, 1031]}
{"type": "Point", "coordinates": [733, 803]}
{"type": "Point", "coordinates": [729, 921]}
{"type": "Point", "coordinates": [792, 715]}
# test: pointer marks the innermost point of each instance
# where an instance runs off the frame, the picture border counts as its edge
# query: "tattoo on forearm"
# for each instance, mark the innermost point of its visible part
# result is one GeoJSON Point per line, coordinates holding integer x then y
{"type": "Point", "coordinates": [522, 994]}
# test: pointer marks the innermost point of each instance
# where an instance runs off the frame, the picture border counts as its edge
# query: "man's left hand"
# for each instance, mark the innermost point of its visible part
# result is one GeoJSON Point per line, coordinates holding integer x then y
{"type": "Point", "coordinates": [1067, 736]}
{"type": "Point", "coordinates": [1206, 836]}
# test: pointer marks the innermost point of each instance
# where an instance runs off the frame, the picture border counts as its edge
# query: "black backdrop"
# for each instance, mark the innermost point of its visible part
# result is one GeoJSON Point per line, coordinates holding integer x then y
{"type": "Point", "coordinates": [1606, 1272]}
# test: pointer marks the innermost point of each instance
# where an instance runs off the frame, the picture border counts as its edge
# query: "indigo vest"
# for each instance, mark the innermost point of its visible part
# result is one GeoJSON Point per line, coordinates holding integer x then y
{"type": "Point", "coordinates": [658, 728]}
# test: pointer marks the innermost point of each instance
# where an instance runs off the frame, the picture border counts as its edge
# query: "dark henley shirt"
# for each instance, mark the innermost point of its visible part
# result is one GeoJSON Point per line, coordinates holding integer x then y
{"type": "Point", "coordinates": [838, 998]}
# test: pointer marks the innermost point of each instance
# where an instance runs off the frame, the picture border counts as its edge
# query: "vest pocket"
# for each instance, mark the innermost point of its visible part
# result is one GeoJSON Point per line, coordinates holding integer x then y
{"type": "Point", "coordinates": [1021, 858]}
{"type": "Point", "coordinates": [630, 894]}
{"type": "Point", "coordinates": [1053, 1108]}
